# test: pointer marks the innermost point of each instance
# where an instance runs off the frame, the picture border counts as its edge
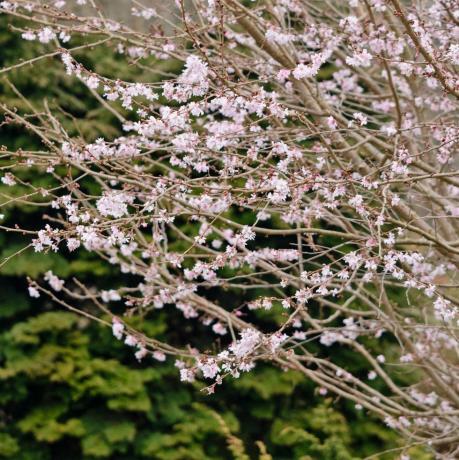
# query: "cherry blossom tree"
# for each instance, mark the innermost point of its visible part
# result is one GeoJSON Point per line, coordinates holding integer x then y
{"type": "Point", "coordinates": [304, 156]}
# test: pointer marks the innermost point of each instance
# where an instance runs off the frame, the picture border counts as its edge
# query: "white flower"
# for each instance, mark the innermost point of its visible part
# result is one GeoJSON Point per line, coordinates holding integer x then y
{"type": "Point", "coordinates": [131, 341]}
{"type": "Point", "coordinates": [372, 375]}
{"type": "Point", "coordinates": [54, 281]}
{"type": "Point", "coordinates": [114, 204]}
{"type": "Point", "coordinates": [93, 82]}
{"type": "Point", "coordinates": [278, 36]}
{"type": "Point", "coordinates": [159, 356]}
{"type": "Point", "coordinates": [353, 260]}
{"type": "Point", "coordinates": [33, 292]}
{"type": "Point", "coordinates": [276, 340]}
{"type": "Point", "coordinates": [361, 118]}
{"type": "Point", "coordinates": [328, 338]}
{"type": "Point", "coordinates": [250, 338]}
{"type": "Point", "coordinates": [110, 295]}
{"type": "Point", "coordinates": [219, 328]}
{"type": "Point", "coordinates": [117, 328]}
{"type": "Point", "coordinates": [141, 353]}
{"type": "Point", "coordinates": [64, 38]}
{"type": "Point", "coordinates": [72, 244]}
{"type": "Point", "coordinates": [8, 179]}
{"type": "Point", "coordinates": [209, 368]}
{"type": "Point", "coordinates": [186, 375]}
{"type": "Point", "coordinates": [444, 310]}
{"type": "Point", "coordinates": [46, 34]}
{"type": "Point", "coordinates": [331, 123]}
{"type": "Point", "coordinates": [29, 35]}
{"type": "Point", "coordinates": [360, 59]}
{"type": "Point", "coordinates": [453, 53]}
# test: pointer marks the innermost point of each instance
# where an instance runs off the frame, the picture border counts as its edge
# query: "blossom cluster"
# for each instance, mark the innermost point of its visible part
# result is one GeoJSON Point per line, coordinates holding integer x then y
{"type": "Point", "coordinates": [301, 158]}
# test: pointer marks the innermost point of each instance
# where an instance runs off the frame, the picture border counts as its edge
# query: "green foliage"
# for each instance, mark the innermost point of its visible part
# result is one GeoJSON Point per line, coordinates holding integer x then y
{"type": "Point", "coordinates": [8, 445]}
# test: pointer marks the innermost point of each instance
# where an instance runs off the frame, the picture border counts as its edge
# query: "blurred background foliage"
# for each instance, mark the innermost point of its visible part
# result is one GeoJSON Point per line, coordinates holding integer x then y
{"type": "Point", "coordinates": [69, 390]}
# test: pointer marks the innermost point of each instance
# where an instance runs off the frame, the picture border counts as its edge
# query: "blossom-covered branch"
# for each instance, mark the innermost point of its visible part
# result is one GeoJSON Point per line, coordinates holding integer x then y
{"type": "Point", "coordinates": [303, 160]}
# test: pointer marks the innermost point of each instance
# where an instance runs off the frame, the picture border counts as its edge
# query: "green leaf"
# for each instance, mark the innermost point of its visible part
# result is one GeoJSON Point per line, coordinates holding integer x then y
{"type": "Point", "coordinates": [29, 331]}
{"type": "Point", "coordinates": [123, 431]}
{"type": "Point", "coordinates": [96, 445]}
{"type": "Point", "coordinates": [43, 423]}
{"type": "Point", "coordinates": [9, 446]}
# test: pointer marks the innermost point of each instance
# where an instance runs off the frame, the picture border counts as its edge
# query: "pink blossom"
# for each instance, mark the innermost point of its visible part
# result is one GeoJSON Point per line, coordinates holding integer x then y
{"type": "Point", "coordinates": [117, 328]}
{"type": "Point", "coordinates": [33, 292]}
